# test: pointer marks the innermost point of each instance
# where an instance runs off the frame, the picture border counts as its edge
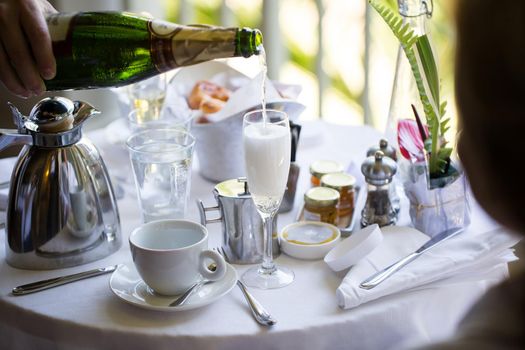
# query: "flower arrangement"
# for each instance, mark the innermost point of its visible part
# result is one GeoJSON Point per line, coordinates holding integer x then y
{"type": "Point", "coordinates": [436, 190]}
{"type": "Point", "coordinates": [416, 140]}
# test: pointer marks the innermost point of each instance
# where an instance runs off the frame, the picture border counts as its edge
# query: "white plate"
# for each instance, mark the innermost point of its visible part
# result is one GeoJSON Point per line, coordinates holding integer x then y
{"type": "Point", "coordinates": [126, 283]}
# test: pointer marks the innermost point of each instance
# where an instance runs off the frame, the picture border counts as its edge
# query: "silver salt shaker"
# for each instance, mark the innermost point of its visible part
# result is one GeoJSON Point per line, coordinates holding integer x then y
{"type": "Point", "coordinates": [378, 171]}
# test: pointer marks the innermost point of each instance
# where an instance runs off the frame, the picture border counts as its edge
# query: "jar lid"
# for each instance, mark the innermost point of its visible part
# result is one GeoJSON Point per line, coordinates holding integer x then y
{"type": "Point", "coordinates": [338, 181]}
{"type": "Point", "coordinates": [309, 239]}
{"type": "Point", "coordinates": [321, 197]}
{"type": "Point", "coordinates": [378, 169]}
{"type": "Point", "coordinates": [235, 188]}
{"type": "Point", "coordinates": [323, 167]}
{"type": "Point", "coordinates": [310, 233]}
{"type": "Point", "coordinates": [384, 147]}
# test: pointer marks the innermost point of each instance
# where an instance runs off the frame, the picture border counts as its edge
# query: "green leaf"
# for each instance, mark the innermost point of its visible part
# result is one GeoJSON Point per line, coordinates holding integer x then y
{"type": "Point", "coordinates": [444, 126]}
{"type": "Point", "coordinates": [443, 108]}
{"type": "Point", "coordinates": [429, 65]}
{"type": "Point", "coordinates": [445, 152]}
{"type": "Point", "coordinates": [435, 166]}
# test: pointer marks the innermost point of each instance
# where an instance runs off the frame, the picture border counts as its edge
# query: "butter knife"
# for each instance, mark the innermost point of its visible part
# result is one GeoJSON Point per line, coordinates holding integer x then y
{"type": "Point", "coordinates": [382, 275]}
{"type": "Point", "coordinates": [58, 281]}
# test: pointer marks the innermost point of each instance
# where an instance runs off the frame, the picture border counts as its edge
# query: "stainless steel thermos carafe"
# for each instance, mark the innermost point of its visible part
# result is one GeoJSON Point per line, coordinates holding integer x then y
{"type": "Point", "coordinates": [61, 209]}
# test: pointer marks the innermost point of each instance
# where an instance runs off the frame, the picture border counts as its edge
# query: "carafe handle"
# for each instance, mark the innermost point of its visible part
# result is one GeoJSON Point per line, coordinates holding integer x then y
{"type": "Point", "coordinates": [11, 137]}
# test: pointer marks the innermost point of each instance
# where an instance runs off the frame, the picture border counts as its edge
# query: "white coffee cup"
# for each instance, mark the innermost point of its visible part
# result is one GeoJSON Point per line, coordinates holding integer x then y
{"type": "Point", "coordinates": [172, 255]}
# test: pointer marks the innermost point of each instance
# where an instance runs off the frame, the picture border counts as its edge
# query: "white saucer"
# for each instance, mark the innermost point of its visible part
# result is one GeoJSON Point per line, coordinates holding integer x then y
{"type": "Point", "coordinates": [126, 283]}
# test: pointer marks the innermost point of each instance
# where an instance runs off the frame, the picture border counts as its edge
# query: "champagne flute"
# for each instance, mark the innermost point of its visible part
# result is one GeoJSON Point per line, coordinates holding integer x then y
{"type": "Point", "coordinates": [147, 98]}
{"type": "Point", "coordinates": [267, 147]}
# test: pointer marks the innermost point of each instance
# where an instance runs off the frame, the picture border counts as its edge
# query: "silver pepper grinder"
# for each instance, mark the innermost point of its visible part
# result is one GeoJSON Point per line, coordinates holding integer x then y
{"type": "Point", "coordinates": [378, 171]}
{"type": "Point", "coordinates": [390, 152]}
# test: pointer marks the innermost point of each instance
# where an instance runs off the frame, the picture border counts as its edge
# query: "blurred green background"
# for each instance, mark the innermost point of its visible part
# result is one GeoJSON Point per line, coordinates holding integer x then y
{"type": "Point", "coordinates": [343, 52]}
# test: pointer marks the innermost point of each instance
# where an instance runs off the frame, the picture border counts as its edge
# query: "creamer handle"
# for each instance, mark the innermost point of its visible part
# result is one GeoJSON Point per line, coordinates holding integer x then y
{"type": "Point", "coordinates": [202, 213]}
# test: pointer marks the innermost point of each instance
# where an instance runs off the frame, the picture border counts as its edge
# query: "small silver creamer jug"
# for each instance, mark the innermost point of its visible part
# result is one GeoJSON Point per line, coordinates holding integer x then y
{"type": "Point", "coordinates": [242, 226]}
{"type": "Point", "coordinates": [61, 209]}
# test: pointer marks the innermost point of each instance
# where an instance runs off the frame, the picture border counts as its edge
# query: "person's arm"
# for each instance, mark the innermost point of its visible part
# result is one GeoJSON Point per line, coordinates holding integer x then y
{"type": "Point", "coordinates": [26, 55]}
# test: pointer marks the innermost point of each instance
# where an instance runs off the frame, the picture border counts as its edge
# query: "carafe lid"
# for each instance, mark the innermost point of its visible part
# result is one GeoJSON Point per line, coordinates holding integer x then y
{"type": "Point", "coordinates": [54, 121]}
{"type": "Point", "coordinates": [53, 115]}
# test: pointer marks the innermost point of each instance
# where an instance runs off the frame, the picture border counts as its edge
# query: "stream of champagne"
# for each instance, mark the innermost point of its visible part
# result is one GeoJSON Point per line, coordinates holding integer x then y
{"type": "Point", "coordinates": [264, 70]}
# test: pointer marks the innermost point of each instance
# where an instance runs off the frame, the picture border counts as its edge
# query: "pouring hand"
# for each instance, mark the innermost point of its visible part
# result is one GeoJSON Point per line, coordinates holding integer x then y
{"type": "Point", "coordinates": [26, 55]}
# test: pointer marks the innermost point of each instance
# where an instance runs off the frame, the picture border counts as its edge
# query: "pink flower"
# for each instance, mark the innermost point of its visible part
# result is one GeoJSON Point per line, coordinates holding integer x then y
{"type": "Point", "coordinates": [410, 140]}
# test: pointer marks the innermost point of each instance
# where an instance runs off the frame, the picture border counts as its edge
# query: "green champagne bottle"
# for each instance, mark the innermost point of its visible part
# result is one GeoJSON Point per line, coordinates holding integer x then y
{"type": "Point", "coordinates": [110, 49]}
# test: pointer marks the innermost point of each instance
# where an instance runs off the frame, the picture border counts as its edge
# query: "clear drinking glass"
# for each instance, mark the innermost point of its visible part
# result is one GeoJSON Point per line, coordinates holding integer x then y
{"type": "Point", "coordinates": [267, 147]}
{"type": "Point", "coordinates": [161, 161]}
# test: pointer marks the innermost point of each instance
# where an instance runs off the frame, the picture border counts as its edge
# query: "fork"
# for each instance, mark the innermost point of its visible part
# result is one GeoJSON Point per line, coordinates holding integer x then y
{"type": "Point", "coordinates": [258, 311]}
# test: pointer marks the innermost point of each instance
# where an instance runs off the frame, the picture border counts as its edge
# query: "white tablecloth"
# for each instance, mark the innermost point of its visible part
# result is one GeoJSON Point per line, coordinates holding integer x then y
{"type": "Point", "coordinates": [86, 315]}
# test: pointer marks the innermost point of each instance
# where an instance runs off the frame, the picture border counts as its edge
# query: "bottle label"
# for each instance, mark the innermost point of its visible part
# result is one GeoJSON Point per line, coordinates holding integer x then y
{"type": "Point", "coordinates": [162, 33]}
{"type": "Point", "coordinates": [58, 24]}
{"type": "Point", "coordinates": [207, 43]}
{"type": "Point", "coordinates": [175, 46]}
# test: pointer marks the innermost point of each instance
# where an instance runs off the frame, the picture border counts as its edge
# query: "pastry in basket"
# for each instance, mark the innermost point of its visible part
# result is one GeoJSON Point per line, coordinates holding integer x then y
{"type": "Point", "coordinates": [208, 97]}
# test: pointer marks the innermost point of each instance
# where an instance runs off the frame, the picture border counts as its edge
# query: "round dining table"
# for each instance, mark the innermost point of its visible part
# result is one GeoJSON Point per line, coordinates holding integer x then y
{"type": "Point", "coordinates": [87, 315]}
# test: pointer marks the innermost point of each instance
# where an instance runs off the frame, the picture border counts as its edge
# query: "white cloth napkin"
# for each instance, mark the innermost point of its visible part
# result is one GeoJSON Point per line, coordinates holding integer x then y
{"type": "Point", "coordinates": [463, 255]}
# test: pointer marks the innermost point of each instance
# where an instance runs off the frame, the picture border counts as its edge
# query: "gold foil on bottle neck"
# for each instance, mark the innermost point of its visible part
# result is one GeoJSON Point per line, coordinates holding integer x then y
{"type": "Point", "coordinates": [192, 45]}
{"type": "Point", "coordinates": [175, 46]}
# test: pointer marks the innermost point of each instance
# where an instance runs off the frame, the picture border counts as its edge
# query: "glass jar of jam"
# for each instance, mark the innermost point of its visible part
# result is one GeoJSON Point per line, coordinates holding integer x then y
{"type": "Point", "coordinates": [323, 167]}
{"type": "Point", "coordinates": [345, 185]}
{"type": "Point", "coordinates": [320, 204]}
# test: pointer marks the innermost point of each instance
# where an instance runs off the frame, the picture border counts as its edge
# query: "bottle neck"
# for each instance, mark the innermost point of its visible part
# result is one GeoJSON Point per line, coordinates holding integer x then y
{"type": "Point", "coordinates": [249, 42]}
{"type": "Point", "coordinates": [415, 13]}
{"type": "Point", "coordinates": [177, 46]}
{"type": "Point", "coordinates": [415, 8]}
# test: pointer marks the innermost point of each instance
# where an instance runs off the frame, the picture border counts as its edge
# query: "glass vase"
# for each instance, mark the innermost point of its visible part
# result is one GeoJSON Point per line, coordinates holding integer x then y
{"type": "Point", "coordinates": [415, 14]}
